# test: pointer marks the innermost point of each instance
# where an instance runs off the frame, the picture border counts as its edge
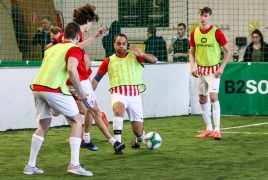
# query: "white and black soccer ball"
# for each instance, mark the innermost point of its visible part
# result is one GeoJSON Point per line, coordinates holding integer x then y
{"type": "Point", "coordinates": [152, 140]}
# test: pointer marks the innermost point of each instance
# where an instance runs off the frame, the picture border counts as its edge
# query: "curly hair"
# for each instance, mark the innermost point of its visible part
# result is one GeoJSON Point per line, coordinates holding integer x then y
{"type": "Point", "coordinates": [55, 30]}
{"type": "Point", "coordinates": [85, 13]}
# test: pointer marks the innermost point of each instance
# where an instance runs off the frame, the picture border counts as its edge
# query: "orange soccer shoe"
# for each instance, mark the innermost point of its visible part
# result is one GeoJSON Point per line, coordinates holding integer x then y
{"type": "Point", "coordinates": [217, 135]}
{"type": "Point", "coordinates": [104, 119]}
{"type": "Point", "coordinates": [205, 134]}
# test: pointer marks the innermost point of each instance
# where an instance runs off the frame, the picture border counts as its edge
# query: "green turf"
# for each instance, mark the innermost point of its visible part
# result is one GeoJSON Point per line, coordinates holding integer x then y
{"type": "Point", "coordinates": [241, 154]}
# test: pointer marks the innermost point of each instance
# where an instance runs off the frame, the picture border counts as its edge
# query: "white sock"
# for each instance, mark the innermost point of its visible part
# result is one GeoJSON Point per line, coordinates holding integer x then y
{"type": "Point", "coordinates": [75, 150]}
{"type": "Point", "coordinates": [117, 127]}
{"type": "Point", "coordinates": [206, 113]}
{"type": "Point", "coordinates": [140, 139]}
{"type": "Point", "coordinates": [216, 115]}
{"type": "Point", "coordinates": [35, 147]}
{"type": "Point", "coordinates": [86, 137]}
{"type": "Point", "coordinates": [112, 140]}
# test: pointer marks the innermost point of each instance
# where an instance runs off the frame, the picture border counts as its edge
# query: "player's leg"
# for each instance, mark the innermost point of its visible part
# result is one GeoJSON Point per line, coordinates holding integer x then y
{"type": "Point", "coordinates": [95, 111]}
{"type": "Point", "coordinates": [75, 142]}
{"type": "Point", "coordinates": [205, 107]}
{"type": "Point", "coordinates": [86, 141]}
{"type": "Point", "coordinates": [88, 118]}
{"type": "Point", "coordinates": [43, 115]}
{"type": "Point", "coordinates": [67, 106]}
{"type": "Point", "coordinates": [119, 105]}
{"type": "Point", "coordinates": [135, 113]}
{"type": "Point", "coordinates": [213, 88]}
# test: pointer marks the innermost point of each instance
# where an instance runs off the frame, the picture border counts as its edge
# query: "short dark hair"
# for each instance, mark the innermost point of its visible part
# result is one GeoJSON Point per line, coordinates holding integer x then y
{"type": "Point", "coordinates": [182, 24]}
{"type": "Point", "coordinates": [71, 30]}
{"type": "Point", "coordinates": [84, 14]}
{"type": "Point", "coordinates": [151, 30]}
{"type": "Point", "coordinates": [257, 31]}
{"type": "Point", "coordinates": [204, 10]}
{"type": "Point", "coordinates": [119, 35]}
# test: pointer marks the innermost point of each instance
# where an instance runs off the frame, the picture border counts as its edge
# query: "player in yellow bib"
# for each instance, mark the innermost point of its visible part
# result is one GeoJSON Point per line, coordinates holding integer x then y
{"type": "Point", "coordinates": [50, 91]}
{"type": "Point", "coordinates": [205, 49]}
{"type": "Point", "coordinates": [125, 73]}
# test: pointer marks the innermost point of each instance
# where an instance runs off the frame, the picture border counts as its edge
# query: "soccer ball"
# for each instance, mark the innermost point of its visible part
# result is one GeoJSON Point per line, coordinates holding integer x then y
{"type": "Point", "coordinates": [152, 140]}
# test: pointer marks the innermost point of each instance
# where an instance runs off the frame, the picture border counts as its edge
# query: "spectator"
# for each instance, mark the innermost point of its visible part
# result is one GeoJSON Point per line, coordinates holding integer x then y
{"type": "Point", "coordinates": [179, 45]}
{"type": "Point", "coordinates": [156, 45]}
{"type": "Point", "coordinates": [108, 40]}
{"type": "Point", "coordinates": [42, 36]}
{"type": "Point", "coordinates": [257, 50]}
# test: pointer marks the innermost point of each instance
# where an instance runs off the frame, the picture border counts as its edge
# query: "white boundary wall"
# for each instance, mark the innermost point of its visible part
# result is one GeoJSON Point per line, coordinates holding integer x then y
{"type": "Point", "coordinates": [169, 88]}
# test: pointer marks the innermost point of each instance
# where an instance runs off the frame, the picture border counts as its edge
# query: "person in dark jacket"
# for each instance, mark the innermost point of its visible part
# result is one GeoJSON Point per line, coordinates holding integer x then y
{"type": "Point", "coordinates": [108, 40]}
{"type": "Point", "coordinates": [257, 50]}
{"type": "Point", "coordinates": [156, 45]}
{"type": "Point", "coordinates": [42, 35]}
{"type": "Point", "coordinates": [180, 45]}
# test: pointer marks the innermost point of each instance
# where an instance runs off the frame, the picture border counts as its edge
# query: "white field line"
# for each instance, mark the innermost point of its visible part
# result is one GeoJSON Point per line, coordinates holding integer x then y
{"type": "Point", "coordinates": [238, 127]}
{"type": "Point", "coordinates": [241, 133]}
{"type": "Point", "coordinates": [250, 125]}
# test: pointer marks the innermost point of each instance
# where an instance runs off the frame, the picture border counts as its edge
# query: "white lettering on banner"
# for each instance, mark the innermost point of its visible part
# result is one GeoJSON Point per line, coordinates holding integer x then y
{"type": "Point", "coordinates": [250, 84]}
{"type": "Point", "coordinates": [266, 87]}
{"type": "Point", "coordinates": [252, 89]}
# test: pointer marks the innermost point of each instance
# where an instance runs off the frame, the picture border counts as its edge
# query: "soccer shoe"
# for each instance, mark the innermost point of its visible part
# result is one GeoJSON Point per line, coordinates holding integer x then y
{"type": "Point", "coordinates": [118, 152]}
{"type": "Point", "coordinates": [32, 170]}
{"type": "Point", "coordinates": [89, 145]}
{"type": "Point", "coordinates": [211, 135]}
{"type": "Point", "coordinates": [104, 119]}
{"type": "Point", "coordinates": [79, 170]}
{"type": "Point", "coordinates": [136, 145]}
{"type": "Point", "coordinates": [118, 147]}
{"type": "Point", "coordinates": [204, 134]}
{"type": "Point", "coordinates": [217, 135]}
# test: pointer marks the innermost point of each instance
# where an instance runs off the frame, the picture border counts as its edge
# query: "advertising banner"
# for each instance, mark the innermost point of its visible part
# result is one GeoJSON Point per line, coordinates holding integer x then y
{"type": "Point", "coordinates": [244, 89]}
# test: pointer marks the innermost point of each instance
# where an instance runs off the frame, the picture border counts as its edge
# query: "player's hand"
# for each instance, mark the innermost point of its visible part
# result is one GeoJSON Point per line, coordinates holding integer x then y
{"type": "Point", "coordinates": [82, 95]}
{"type": "Point", "coordinates": [135, 50]}
{"type": "Point", "coordinates": [100, 31]}
{"type": "Point", "coordinates": [195, 72]}
{"type": "Point", "coordinates": [218, 73]}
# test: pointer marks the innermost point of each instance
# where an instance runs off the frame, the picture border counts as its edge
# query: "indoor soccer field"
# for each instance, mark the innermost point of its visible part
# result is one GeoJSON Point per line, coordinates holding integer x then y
{"type": "Point", "coordinates": [240, 154]}
{"type": "Point", "coordinates": [171, 95]}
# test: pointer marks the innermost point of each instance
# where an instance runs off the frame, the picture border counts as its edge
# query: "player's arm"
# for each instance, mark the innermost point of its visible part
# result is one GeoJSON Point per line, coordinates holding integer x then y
{"type": "Point", "coordinates": [72, 65]}
{"type": "Point", "coordinates": [49, 45]}
{"type": "Point", "coordinates": [96, 80]}
{"type": "Point", "coordinates": [88, 41]}
{"type": "Point", "coordinates": [223, 42]}
{"type": "Point", "coordinates": [192, 55]}
{"type": "Point", "coordinates": [101, 72]}
{"type": "Point", "coordinates": [192, 61]}
{"type": "Point", "coordinates": [225, 60]}
{"type": "Point", "coordinates": [137, 52]}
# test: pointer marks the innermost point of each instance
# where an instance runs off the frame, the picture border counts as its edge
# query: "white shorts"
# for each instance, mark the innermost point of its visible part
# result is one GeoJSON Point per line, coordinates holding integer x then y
{"type": "Point", "coordinates": [61, 103]}
{"type": "Point", "coordinates": [208, 83]}
{"type": "Point", "coordinates": [87, 87]}
{"type": "Point", "coordinates": [133, 105]}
